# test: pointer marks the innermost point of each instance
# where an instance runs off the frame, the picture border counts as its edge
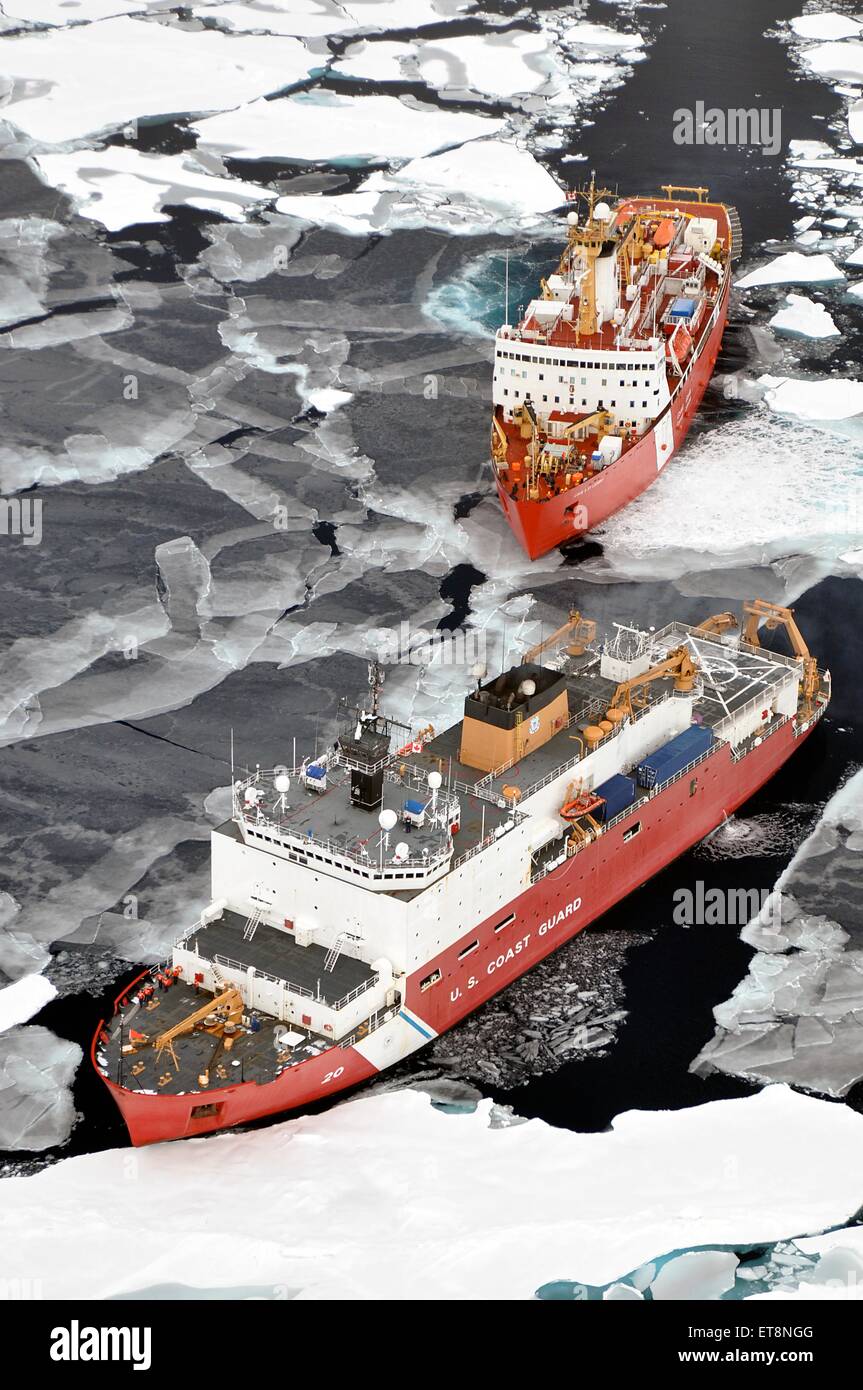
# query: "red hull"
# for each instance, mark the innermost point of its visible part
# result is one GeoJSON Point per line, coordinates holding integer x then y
{"type": "Point", "coordinates": [549, 913]}
{"type": "Point", "coordinates": [540, 526]}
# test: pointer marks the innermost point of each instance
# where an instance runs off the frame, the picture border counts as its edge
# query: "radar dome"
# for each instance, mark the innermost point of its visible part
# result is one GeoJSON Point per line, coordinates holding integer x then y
{"type": "Point", "coordinates": [402, 850]}
{"type": "Point", "coordinates": [527, 687]}
{"type": "Point", "coordinates": [435, 780]}
{"type": "Point", "coordinates": [282, 782]}
{"type": "Point", "coordinates": [602, 212]}
{"type": "Point", "coordinates": [387, 819]}
{"type": "Point", "coordinates": [572, 219]}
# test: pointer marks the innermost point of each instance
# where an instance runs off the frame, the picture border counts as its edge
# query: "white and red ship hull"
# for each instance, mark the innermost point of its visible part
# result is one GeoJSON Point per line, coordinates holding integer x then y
{"type": "Point", "coordinates": [545, 916]}
{"type": "Point", "coordinates": [541, 526]}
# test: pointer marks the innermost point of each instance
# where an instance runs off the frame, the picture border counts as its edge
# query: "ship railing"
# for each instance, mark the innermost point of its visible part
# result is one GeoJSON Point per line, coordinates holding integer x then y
{"type": "Point", "coordinates": [593, 706]}
{"type": "Point", "coordinates": [678, 629]}
{"type": "Point", "coordinates": [489, 839]}
{"type": "Point", "coordinates": [344, 856]}
{"type": "Point", "coordinates": [375, 1021]}
{"type": "Point", "coordinates": [291, 988]}
{"type": "Point", "coordinates": [615, 733]}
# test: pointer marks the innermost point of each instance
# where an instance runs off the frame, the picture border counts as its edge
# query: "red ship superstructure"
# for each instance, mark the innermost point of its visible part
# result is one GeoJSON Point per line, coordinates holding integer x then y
{"type": "Point", "coordinates": [365, 900]}
{"type": "Point", "coordinates": [597, 384]}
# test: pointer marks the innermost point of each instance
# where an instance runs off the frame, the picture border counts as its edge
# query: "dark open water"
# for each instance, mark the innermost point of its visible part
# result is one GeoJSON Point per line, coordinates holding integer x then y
{"type": "Point", "coordinates": [717, 55]}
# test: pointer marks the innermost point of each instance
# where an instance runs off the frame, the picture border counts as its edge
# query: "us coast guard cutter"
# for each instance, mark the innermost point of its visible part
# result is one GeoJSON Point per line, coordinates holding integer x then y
{"type": "Point", "coordinates": [366, 900]}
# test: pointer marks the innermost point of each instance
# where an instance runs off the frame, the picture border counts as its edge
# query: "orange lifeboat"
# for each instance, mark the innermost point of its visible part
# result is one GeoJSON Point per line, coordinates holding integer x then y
{"type": "Point", "coordinates": [681, 342]}
{"type": "Point", "coordinates": [664, 233]}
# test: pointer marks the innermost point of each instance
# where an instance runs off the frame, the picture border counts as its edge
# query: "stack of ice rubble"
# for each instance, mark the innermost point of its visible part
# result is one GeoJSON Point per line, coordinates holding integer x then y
{"type": "Point", "coordinates": [798, 1014]}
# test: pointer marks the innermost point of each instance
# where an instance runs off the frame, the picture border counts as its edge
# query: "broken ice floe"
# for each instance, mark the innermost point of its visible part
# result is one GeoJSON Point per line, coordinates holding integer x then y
{"type": "Point", "coordinates": [22, 999]}
{"type": "Point", "coordinates": [120, 186]}
{"type": "Point", "coordinates": [36, 1073]}
{"type": "Point", "coordinates": [826, 25]}
{"type": "Point", "coordinates": [321, 18]}
{"type": "Point", "coordinates": [830, 398]}
{"type": "Point", "coordinates": [336, 129]}
{"type": "Point", "coordinates": [86, 79]}
{"type": "Point", "coordinates": [804, 317]}
{"type": "Point", "coordinates": [597, 1205]}
{"type": "Point", "coordinates": [793, 268]}
{"type": "Point", "coordinates": [798, 1014]}
{"type": "Point", "coordinates": [480, 186]}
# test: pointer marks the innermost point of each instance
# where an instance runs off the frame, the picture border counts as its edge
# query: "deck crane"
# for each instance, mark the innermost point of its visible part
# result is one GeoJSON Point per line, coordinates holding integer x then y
{"type": "Point", "coordinates": [679, 665]}
{"type": "Point", "coordinates": [772, 615]}
{"type": "Point", "coordinates": [715, 625]}
{"type": "Point", "coordinates": [218, 1015]}
{"type": "Point", "coordinates": [581, 632]}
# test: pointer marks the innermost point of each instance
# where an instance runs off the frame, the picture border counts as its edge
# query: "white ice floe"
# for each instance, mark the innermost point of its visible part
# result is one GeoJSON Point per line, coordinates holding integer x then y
{"type": "Point", "coordinates": [505, 66]}
{"type": "Point", "coordinates": [480, 186]}
{"type": "Point", "coordinates": [793, 268]}
{"type": "Point", "coordinates": [323, 126]}
{"type": "Point", "coordinates": [36, 1074]}
{"type": "Point", "coordinates": [804, 317]}
{"type": "Point", "coordinates": [855, 122]}
{"type": "Point", "coordinates": [60, 12]}
{"type": "Point", "coordinates": [831, 398]}
{"type": "Point", "coordinates": [376, 62]}
{"type": "Point", "coordinates": [597, 1205]}
{"type": "Point", "coordinates": [79, 81]}
{"type": "Point", "coordinates": [797, 1016]}
{"type": "Point", "coordinates": [601, 36]}
{"type": "Point", "coordinates": [320, 18]}
{"type": "Point", "coordinates": [842, 62]}
{"type": "Point", "coordinates": [826, 25]}
{"type": "Point", "coordinates": [121, 186]}
{"type": "Point", "coordinates": [21, 1000]}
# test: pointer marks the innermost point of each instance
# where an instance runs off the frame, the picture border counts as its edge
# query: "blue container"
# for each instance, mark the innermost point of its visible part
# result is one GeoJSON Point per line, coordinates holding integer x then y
{"type": "Point", "coordinates": [617, 793]}
{"type": "Point", "coordinates": [682, 309]}
{"type": "Point", "coordinates": [667, 761]}
{"type": "Point", "coordinates": [414, 808]}
{"type": "Point", "coordinates": [315, 770]}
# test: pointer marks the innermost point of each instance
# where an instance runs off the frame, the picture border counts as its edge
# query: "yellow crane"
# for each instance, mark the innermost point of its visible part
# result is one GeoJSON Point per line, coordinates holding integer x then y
{"type": "Point", "coordinates": [226, 1010]}
{"type": "Point", "coordinates": [759, 610]}
{"type": "Point", "coordinates": [581, 632]}
{"type": "Point", "coordinates": [717, 624]}
{"type": "Point", "coordinates": [679, 665]}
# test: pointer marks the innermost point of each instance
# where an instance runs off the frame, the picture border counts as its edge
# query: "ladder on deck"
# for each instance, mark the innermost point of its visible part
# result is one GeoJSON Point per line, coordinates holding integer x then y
{"type": "Point", "coordinates": [335, 951]}
{"type": "Point", "coordinates": [252, 924]}
{"type": "Point", "coordinates": [736, 232]}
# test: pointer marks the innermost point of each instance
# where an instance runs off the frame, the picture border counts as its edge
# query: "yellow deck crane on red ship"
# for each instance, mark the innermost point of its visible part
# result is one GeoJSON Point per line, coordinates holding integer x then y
{"type": "Point", "coordinates": [758, 611]}
{"type": "Point", "coordinates": [218, 1016]}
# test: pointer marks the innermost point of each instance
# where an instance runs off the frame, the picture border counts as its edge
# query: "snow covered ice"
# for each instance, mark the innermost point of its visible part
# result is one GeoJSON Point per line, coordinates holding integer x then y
{"type": "Point", "coordinates": [597, 1206]}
